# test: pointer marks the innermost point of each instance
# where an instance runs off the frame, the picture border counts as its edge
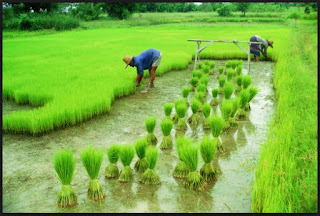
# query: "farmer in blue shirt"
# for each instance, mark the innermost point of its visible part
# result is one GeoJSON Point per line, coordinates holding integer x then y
{"type": "Point", "coordinates": [149, 59]}
{"type": "Point", "coordinates": [255, 49]}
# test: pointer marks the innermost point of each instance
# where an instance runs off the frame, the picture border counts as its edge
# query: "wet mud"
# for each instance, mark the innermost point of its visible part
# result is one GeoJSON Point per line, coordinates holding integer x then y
{"type": "Point", "coordinates": [30, 183]}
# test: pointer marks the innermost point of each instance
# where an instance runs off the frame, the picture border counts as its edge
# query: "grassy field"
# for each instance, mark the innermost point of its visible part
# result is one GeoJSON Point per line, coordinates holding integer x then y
{"type": "Point", "coordinates": [286, 176]}
{"type": "Point", "coordinates": [76, 75]}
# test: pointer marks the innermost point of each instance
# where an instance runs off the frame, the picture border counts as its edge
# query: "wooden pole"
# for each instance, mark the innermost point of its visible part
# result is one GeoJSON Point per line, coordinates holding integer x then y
{"type": "Point", "coordinates": [249, 58]}
{"type": "Point", "coordinates": [196, 57]}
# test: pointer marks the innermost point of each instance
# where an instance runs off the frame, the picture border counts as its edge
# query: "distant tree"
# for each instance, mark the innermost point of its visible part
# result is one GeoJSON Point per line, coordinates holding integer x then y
{"type": "Point", "coordinates": [307, 10]}
{"type": "Point", "coordinates": [224, 10]}
{"type": "Point", "coordinates": [120, 10]}
{"type": "Point", "coordinates": [87, 11]}
{"type": "Point", "coordinates": [243, 7]}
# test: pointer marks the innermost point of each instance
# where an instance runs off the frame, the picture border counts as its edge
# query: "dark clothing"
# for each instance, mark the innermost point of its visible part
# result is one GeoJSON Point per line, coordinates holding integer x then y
{"type": "Point", "coordinates": [255, 49]}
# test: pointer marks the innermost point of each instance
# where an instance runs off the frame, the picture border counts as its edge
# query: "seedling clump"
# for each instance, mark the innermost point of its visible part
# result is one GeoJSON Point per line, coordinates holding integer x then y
{"type": "Point", "coordinates": [64, 164]}
{"type": "Point", "coordinates": [239, 83]}
{"type": "Point", "coordinates": [220, 69]}
{"type": "Point", "coordinates": [202, 88]}
{"type": "Point", "coordinates": [185, 93]}
{"type": "Point", "coordinates": [206, 69]}
{"type": "Point", "coordinates": [244, 98]}
{"type": "Point", "coordinates": [204, 79]}
{"type": "Point", "coordinates": [176, 103]}
{"type": "Point", "coordinates": [216, 124]}
{"type": "Point", "coordinates": [126, 155]}
{"type": "Point", "coordinates": [181, 111]}
{"type": "Point", "coordinates": [246, 81]}
{"type": "Point", "coordinates": [92, 160]}
{"type": "Point", "coordinates": [150, 125]}
{"type": "Point", "coordinates": [208, 149]}
{"type": "Point", "coordinates": [112, 170]}
{"type": "Point", "coordinates": [212, 66]}
{"type": "Point", "coordinates": [181, 170]}
{"type": "Point", "coordinates": [222, 81]}
{"type": "Point", "coordinates": [166, 127]}
{"type": "Point", "coordinates": [194, 82]}
{"type": "Point", "coordinates": [228, 90]}
{"type": "Point", "coordinates": [197, 73]}
{"type": "Point", "coordinates": [214, 100]}
{"type": "Point", "coordinates": [194, 118]}
{"type": "Point", "coordinates": [200, 65]}
{"type": "Point", "coordinates": [253, 91]}
{"type": "Point", "coordinates": [150, 176]}
{"type": "Point", "coordinates": [140, 146]}
{"type": "Point", "coordinates": [239, 70]}
{"type": "Point", "coordinates": [226, 110]}
{"type": "Point", "coordinates": [206, 109]}
{"type": "Point", "coordinates": [168, 109]}
{"type": "Point", "coordinates": [230, 73]}
{"type": "Point", "coordinates": [235, 107]}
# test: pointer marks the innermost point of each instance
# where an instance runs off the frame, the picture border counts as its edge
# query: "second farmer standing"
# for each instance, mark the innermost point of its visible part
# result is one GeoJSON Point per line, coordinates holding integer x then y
{"type": "Point", "coordinates": [149, 59]}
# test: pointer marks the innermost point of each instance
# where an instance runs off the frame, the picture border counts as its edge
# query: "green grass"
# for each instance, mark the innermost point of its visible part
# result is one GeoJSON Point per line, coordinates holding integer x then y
{"type": "Point", "coordinates": [286, 176]}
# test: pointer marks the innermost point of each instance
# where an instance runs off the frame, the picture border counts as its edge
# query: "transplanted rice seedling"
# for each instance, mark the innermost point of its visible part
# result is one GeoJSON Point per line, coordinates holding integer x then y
{"type": "Point", "coordinates": [185, 93]}
{"type": "Point", "coordinates": [216, 124]}
{"type": "Point", "coordinates": [150, 176]}
{"type": "Point", "coordinates": [167, 109]}
{"type": "Point", "coordinates": [140, 146]}
{"type": "Point", "coordinates": [200, 65]}
{"type": "Point", "coordinates": [176, 103]}
{"type": "Point", "coordinates": [253, 91]}
{"type": "Point", "coordinates": [181, 170]}
{"type": "Point", "coordinates": [202, 88]}
{"type": "Point", "coordinates": [206, 69]}
{"type": "Point", "coordinates": [194, 118]}
{"type": "Point", "coordinates": [230, 73]}
{"type": "Point", "coordinates": [166, 127]}
{"type": "Point", "coordinates": [214, 100]}
{"type": "Point", "coordinates": [189, 155]}
{"type": "Point", "coordinates": [64, 164]}
{"type": "Point", "coordinates": [206, 109]}
{"type": "Point", "coordinates": [126, 155]}
{"type": "Point", "coordinates": [112, 170]}
{"type": "Point", "coordinates": [92, 160]}
{"type": "Point", "coordinates": [226, 110]}
{"type": "Point", "coordinates": [181, 111]}
{"type": "Point", "coordinates": [204, 79]}
{"type": "Point", "coordinates": [208, 149]}
{"type": "Point", "coordinates": [239, 83]}
{"type": "Point", "coordinates": [200, 96]}
{"type": "Point", "coordinates": [197, 73]}
{"type": "Point", "coordinates": [228, 90]}
{"type": "Point", "coordinates": [235, 107]}
{"type": "Point", "coordinates": [246, 81]}
{"type": "Point", "coordinates": [244, 98]}
{"type": "Point", "coordinates": [212, 65]}
{"type": "Point", "coordinates": [239, 70]}
{"type": "Point", "coordinates": [220, 69]}
{"type": "Point", "coordinates": [206, 63]}
{"type": "Point", "coordinates": [222, 81]}
{"type": "Point", "coordinates": [150, 125]}
{"type": "Point", "coordinates": [194, 82]}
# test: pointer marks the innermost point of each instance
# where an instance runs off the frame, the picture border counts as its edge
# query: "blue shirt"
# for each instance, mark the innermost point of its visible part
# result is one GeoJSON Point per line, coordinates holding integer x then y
{"type": "Point", "coordinates": [145, 60]}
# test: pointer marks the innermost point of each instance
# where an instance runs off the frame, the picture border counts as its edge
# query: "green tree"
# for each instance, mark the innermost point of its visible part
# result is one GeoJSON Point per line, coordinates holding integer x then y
{"type": "Point", "coordinates": [224, 10]}
{"type": "Point", "coordinates": [243, 7]}
{"type": "Point", "coordinates": [121, 10]}
{"type": "Point", "coordinates": [307, 10]}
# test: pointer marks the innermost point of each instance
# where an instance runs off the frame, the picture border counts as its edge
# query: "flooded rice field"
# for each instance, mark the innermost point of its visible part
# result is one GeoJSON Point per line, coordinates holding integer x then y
{"type": "Point", "coordinates": [30, 183]}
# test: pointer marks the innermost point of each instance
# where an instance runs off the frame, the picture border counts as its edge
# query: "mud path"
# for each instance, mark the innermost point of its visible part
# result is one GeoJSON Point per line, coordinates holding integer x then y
{"type": "Point", "coordinates": [30, 183]}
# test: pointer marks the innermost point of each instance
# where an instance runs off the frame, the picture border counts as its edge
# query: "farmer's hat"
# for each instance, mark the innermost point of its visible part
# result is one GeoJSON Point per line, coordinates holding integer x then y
{"type": "Point", "coordinates": [270, 42]}
{"type": "Point", "coordinates": [127, 59]}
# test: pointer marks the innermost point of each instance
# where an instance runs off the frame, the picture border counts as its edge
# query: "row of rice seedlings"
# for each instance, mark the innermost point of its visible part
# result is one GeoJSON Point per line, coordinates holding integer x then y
{"type": "Point", "coordinates": [166, 127]}
{"type": "Point", "coordinates": [150, 124]}
{"type": "Point", "coordinates": [112, 170]}
{"type": "Point", "coordinates": [194, 118]}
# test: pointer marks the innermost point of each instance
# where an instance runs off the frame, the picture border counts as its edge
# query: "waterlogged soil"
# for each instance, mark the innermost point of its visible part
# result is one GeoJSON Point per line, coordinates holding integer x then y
{"type": "Point", "coordinates": [30, 183]}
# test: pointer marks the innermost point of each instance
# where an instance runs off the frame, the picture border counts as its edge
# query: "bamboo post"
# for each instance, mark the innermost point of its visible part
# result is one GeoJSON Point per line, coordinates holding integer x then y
{"type": "Point", "coordinates": [196, 57]}
{"type": "Point", "coordinates": [249, 58]}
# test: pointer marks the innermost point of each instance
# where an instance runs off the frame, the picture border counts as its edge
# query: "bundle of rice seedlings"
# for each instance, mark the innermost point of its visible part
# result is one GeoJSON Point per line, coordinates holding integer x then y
{"type": "Point", "coordinates": [229, 64]}
{"type": "Point", "coordinates": [112, 170]}
{"type": "Point", "coordinates": [200, 65]}
{"type": "Point", "coordinates": [197, 73]}
{"type": "Point", "coordinates": [246, 81]}
{"type": "Point", "coordinates": [228, 90]}
{"type": "Point", "coordinates": [92, 160]}
{"type": "Point", "coordinates": [220, 69]}
{"type": "Point", "coordinates": [208, 149]}
{"type": "Point", "coordinates": [150, 125]}
{"type": "Point", "coordinates": [230, 73]}
{"type": "Point", "coordinates": [253, 91]}
{"type": "Point", "coordinates": [126, 155]}
{"type": "Point", "coordinates": [150, 176]}
{"type": "Point", "coordinates": [216, 124]}
{"type": "Point", "coordinates": [181, 111]}
{"type": "Point", "coordinates": [176, 103]}
{"type": "Point", "coordinates": [212, 65]}
{"type": "Point", "coordinates": [168, 109]}
{"type": "Point", "coordinates": [244, 98]}
{"type": "Point", "coordinates": [235, 107]}
{"type": "Point", "coordinates": [64, 164]}
{"type": "Point", "coordinates": [200, 96]}
{"type": "Point", "coordinates": [206, 109]}
{"type": "Point", "coordinates": [194, 82]}
{"type": "Point", "coordinates": [189, 155]}
{"type": "Point", "coordinates": [204, 79]}
{"type": "Point", "coordinates": [185, 93]}
{"type": "Point", "coordinates": [239, 70]}
{"type": "Point", "coordinates": [207, 63]}
{"type": "Point", "coordinates": [226, 110]}
{"type": "Point", "coordinates": [166, 127]}
{"type": "Point", "coordinates": [214, 100]}
{"type": "Point", "coordinates": [194, 118]}
{"type": "Point", "coordinates": [222, 81]}
{"type": "Point", "coordinates": [239, 83]}
{"type": "Point", "coordinates": [140, 146]}
{"type": "Point", "coordinates": [181, 170]}
{"type": "Point", "coordinates": [206, 69]}
{"type": "Point", "coordinates": [202, 88]}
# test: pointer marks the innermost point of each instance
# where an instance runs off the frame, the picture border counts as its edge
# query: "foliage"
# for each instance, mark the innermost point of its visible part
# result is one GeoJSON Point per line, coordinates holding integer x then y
{"type": "Point", "coordinates": [243, 7]}
{"type": "Point", "coordinates": [224, 10]}
{"type": "Point", "coordinates": [86, 11]}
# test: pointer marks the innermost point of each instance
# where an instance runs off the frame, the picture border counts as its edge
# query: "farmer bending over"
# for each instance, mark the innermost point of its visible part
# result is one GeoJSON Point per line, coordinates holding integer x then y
{"type": "Point", "coordinates": [149, 59]}
{"type": "Point", "coordinates": [255, 49]}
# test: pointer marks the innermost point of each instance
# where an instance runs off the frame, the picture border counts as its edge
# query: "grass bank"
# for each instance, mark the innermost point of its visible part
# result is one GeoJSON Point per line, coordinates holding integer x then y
{"type": "Point", "coordinates": [286, 175]}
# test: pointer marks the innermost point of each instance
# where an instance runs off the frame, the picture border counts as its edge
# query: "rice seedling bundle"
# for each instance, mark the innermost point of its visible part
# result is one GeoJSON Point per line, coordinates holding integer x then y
{"type": "Point", "coordinates": [244, 98]}
{"type": "Point", "coordinates": [246, 81]}
{"type": "Point", "coordinates": [206, 69]}
{"type": "Point", "coordinates": [168, 109]}
{"type": "Point", "coordinates": [194, 82]}
{"type": "Point", "coordinates": [92, 159]}
{"type": "Point", "coordinates": [181, 170]}
{"type": "Point", "coordinates": [208, 149]}
{"type": "Point", "coordinates": [228, 90]}
{"type": "Point", "coordinates": [126, 155]}
{"type": "Point", "coordinates": [166, 127]}
{"type": "Point", "coordinates": [150, 176]}
{"type": "Point", "coordinates": [185, 93]}
{"type": "Point", "coordinates": [220, 69]}
{"type": "Point", "coordinates": [235, 107]}
{"type": "Point", "coordinates": [189, 155]}
{"type": "Point", "coordinates": [197, 73]}
{"type": "Point", "coordinates": [64, 164]}
{"type": "Point", "coordinates": [239, 83]}
{"type": "Point", "coordinates": [239, 70]}
{"type": "Point", "coordinates": [230, 73]}
{"type": "Point", "coordinates": [214, 100]}
{"type": "Point", "coordinates": [112, 170]}
{"type": "Point", "coordinates": [212, 65]}
{"type": "Point", "coordinates": [181, 111]}
{"type": "Point", "coordinates": [200, 96]}
{"type": "Point", "coordinates": [200, 65]}
{"type": "Point", "coordinates": [216, 124]}
{"type": "Point", "coordinates": [150, 125]}
{"type": "Point", "coordinates": [226, 110]}
{"type": "Point", "coordinates": [204, 79]}
{"type": "Point", "coordinates": [202, 88]}
{"type": "Point", "coordinates": [206, 109]}
{"type": "Point", "coordinates": [176, 103]}
{"type": "Point", "coordinates": [222, 81]}
{"type": "Point", "coordinates": [140, 146]}
{"type": "Point", "coordinates": [194, 118]}
{"type": "Point", "coordinates": [207, 63]}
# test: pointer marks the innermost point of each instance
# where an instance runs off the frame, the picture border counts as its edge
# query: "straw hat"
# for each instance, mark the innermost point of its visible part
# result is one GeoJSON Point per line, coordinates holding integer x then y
{"type": "Point", "coordinates": [270, 42]}
{"type": "Point", "coordinates": [127, 59]}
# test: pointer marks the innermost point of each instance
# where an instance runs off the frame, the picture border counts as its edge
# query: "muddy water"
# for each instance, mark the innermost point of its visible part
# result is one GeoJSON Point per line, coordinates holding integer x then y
{"type": "Point", "coordinates": [31, 185]}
